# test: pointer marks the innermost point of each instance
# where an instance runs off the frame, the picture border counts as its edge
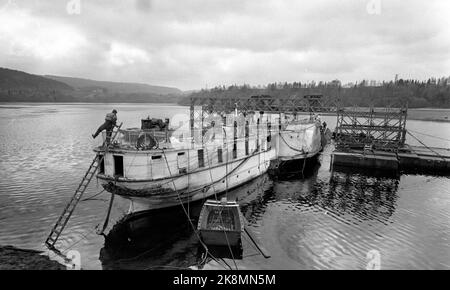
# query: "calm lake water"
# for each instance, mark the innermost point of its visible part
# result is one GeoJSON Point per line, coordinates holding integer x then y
{"type": "Point", "coordinates": [321, 220]}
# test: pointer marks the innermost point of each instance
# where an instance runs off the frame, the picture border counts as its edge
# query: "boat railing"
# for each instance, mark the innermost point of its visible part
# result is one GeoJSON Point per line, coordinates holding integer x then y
{"type": "Point", "coordinates": [138, 139]}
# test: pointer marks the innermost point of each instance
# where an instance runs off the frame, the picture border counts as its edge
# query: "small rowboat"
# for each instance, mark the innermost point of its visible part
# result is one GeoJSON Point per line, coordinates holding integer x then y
{"type": "Point", "coordinates": [221, 223]}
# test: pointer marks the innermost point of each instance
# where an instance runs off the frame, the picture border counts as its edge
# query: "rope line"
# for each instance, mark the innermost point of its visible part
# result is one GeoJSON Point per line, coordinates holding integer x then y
{"type": "Point", "coordinates": [93, 197]}
{"type": "Point", "coordinates": [184, 210]}
{"type": "Point", "coordinates": [426, 145]}
{"type": "Point", "coordinates": [220, 213]}
{"type": "Point", "coordinates": [440, 138]}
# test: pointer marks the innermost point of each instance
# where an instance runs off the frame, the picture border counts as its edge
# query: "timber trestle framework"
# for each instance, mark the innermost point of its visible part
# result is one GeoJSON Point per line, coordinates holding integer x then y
{"type": "Point", "coordinates": [381, 129]}
{"type": "Point", "coordinates": [205, 110]}
{"type": "Point", "coordinates": [357, 127]}
{"type": "Point", "coordinates": [265, 103]}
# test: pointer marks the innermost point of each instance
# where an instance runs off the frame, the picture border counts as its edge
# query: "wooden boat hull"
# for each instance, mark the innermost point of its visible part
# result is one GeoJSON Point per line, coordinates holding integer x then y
{"type": "Point", "coordinates": [146, 195]}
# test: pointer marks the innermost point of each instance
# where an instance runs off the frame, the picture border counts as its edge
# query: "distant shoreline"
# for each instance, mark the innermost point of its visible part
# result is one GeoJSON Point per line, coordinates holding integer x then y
{"type": "Point", "coordinates": [417, 114]}
{"type": "Point", "coordinates": [84, 103]}
{"type": "Point", "coordinates": [430, 109]}
{"type": "Point", "coordinates": [422, 114]}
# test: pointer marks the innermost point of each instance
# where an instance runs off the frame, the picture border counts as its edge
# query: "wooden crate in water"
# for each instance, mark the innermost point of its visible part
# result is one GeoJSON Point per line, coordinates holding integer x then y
{"type": "Point", "coordinates": [221, 223]}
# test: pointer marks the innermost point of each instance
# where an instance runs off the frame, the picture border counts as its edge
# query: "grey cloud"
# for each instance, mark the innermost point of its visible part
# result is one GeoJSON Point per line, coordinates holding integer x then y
{"type": "Point", "coordinates": [192, 42]}
{"type": "Point", "coordinates": [144, 5]}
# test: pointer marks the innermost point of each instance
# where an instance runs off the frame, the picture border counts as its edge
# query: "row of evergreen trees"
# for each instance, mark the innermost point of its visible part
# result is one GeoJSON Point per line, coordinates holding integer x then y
{"type": "Point", "coordinates": [434, 92]}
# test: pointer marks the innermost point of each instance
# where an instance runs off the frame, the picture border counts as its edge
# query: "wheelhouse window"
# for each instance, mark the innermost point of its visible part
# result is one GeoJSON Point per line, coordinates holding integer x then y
{"type": "Point", "coordinates": [247, 133]}
{"type": "Point", "coordinates": [182, 163]}
{"type": "Point", "coordinates": [101, 165]}
{"type": "Point", "coordinates": [257, 135]}
{"type": "Point", "coordinates": [118, 165]}
{"type": "Point", "coordinates": [235, 140]}
{"type": "Point", "coordinates": [219, 155]}
{"type": "Point", "coordinates": [269, 131]}
{"type": "Point", "coordinates": [201, 159]}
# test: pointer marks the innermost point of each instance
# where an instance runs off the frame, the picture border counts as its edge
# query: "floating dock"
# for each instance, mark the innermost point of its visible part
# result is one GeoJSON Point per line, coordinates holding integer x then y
{"type": "Point", "coordinates": [416, 158]}
{"type": "Point", "coordinates": [408, 159]}
{"type": "Point", "coordinates": [374, 139]}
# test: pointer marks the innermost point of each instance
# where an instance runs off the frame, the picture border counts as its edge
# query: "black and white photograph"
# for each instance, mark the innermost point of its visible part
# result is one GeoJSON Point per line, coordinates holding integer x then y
{"type": "Point", "coordinates": [226, 135]}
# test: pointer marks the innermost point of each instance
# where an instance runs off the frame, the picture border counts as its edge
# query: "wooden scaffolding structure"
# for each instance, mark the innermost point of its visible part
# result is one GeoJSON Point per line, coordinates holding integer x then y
{"type": "Point", "coordinates": [371, 128]}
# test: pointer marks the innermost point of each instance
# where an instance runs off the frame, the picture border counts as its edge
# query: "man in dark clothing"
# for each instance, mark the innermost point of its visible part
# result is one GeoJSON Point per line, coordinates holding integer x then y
{"type": "Point", "coordinates": [110, 123]}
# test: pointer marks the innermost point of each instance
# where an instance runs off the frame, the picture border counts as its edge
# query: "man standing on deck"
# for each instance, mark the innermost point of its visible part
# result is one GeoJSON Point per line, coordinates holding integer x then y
{"type": "Point", "coordinates": [110, 123]}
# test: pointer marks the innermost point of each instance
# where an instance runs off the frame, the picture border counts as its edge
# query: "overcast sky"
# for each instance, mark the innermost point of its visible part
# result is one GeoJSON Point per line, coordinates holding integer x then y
{"type": "Point", "coordinates": [192, 44]}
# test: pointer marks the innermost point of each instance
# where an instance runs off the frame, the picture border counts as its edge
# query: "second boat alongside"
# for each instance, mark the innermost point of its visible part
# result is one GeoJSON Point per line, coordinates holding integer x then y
{"type": "Point", "coordinates": [299, 140]}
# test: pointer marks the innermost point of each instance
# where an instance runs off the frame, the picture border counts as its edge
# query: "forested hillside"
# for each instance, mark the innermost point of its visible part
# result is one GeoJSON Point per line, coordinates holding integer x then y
{"type": "Point", "coordinates": [17, 86]}
{"type": "Point", "coordinates": [418, 94]}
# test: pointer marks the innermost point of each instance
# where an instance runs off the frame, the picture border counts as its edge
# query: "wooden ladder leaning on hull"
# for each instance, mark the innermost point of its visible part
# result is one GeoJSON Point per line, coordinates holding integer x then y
{"type": "Point", "coordinates": [70, 207]}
